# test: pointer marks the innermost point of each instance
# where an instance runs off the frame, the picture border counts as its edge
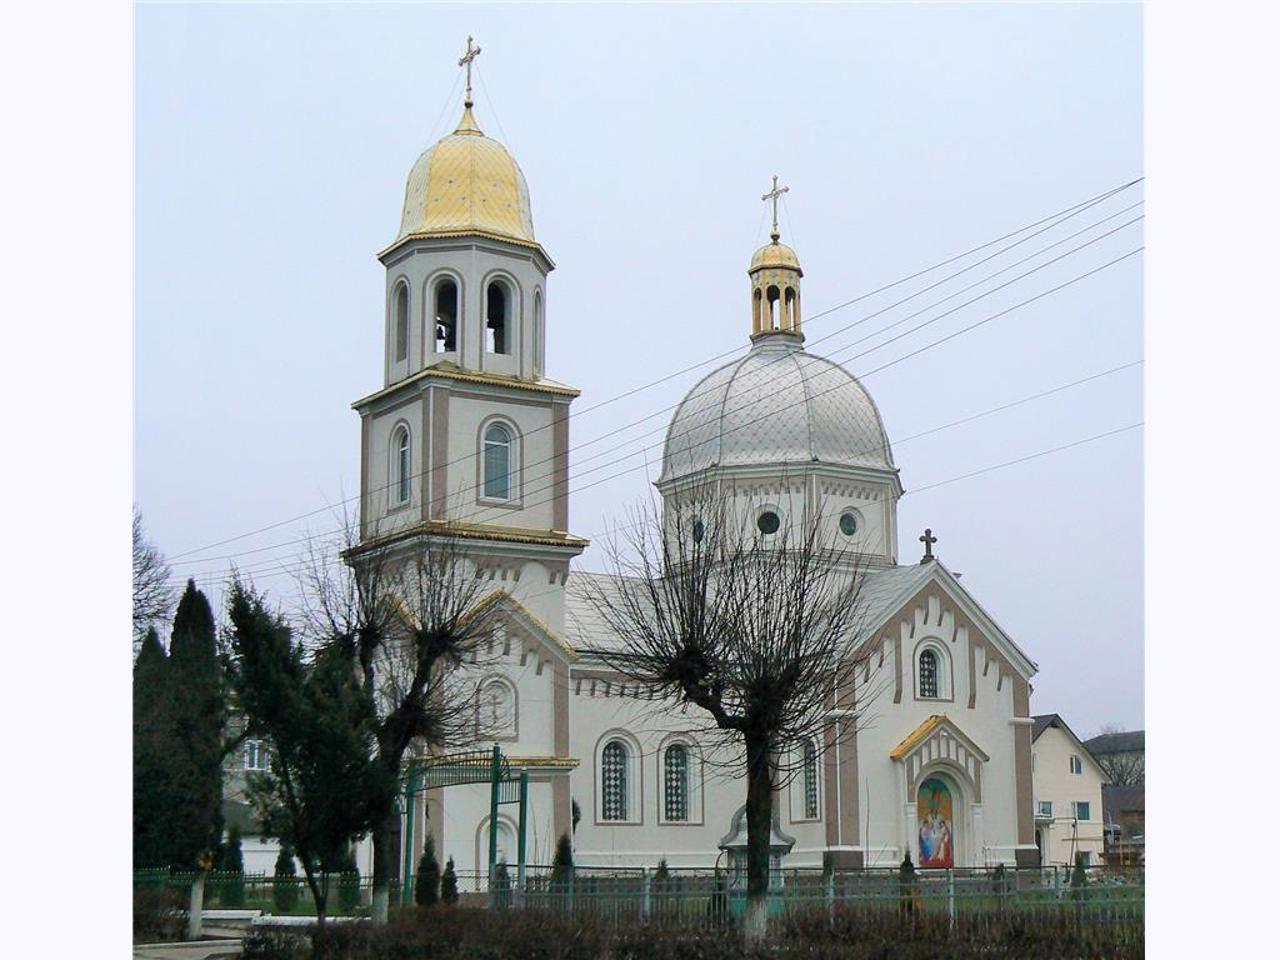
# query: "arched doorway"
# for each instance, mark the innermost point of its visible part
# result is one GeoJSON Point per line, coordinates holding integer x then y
{"type": "Point", "coordinates": [936, 822]}
{"type": "Point", "coordinates": [506, 844]}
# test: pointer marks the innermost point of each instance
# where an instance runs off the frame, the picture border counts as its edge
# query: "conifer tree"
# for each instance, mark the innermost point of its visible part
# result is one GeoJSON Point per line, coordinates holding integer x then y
{"type": "Point", "coordinates": [562, 862]}
{"type": "Point", "coordinates": [153, 746]}
{"type": "Point", "coordinates": [233, 863]}
{"type": "Point", "coordinates": [284, 891]}
{"type": "Point", "coordinates": [195, 679]}
{"type": "Point", "coordinates": [449, 883]}
{"type": "Point", "coordinates": [427, 889]}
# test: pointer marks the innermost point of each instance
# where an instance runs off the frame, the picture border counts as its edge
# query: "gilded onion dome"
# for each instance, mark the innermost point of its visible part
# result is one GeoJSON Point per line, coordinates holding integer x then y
{"type": "Point", "coordinates": [775, 254]}
{"type": "Point", "coordinates": [467, 183]}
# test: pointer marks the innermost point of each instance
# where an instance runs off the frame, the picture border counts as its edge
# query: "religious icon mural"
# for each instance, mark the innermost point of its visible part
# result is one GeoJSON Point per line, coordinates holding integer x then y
{"type": "Point", "coordinates": [933, 810]}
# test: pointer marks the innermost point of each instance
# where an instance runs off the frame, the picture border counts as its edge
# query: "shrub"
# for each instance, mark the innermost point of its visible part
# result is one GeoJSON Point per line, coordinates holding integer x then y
{"type": "Point", "coordinates": [427, 889]}
{"type": "Point", "coordinates": [502, 885]}
{"type": "Point", "coordinates": [562, 862]}
{"type": "Point", "coordinates": [285, 889]}
{"type": "Point", "coordinates": [349, 885]}
{"type": "Point", "coordinates": [449, 883]}
{"type": "Point", "coordinates": [159, 914]}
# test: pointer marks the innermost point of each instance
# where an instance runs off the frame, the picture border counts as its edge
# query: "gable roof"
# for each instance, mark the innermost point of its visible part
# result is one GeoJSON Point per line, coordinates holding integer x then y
{"type": "Point", "coordinates": [1043, 721]}
{"type": "Point", "coordinates": [921, 733]}
{"type": "Point", "coordinates": [1131, 741]}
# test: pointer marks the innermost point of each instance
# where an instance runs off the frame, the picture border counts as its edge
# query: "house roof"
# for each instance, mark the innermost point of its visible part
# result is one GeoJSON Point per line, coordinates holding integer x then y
{"type": "Point", "coordinates": [1131, 741]}
{"type": "Point", "coordinates": [1120, 800]}
{"type": "Point", "coordinates": [921, 733]}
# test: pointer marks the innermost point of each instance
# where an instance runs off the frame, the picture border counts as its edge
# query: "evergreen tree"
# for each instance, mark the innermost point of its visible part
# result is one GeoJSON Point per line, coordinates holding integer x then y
{"type": "Point", "coordinates": [284, 891]}
{"type": "Point", "coordinates": [153, 746]}
{"type": "Point", "coordinates": [195, 679]}
{"type": "Point", "coordinates": [502, 884]}
{"type": "Point", "coordinates": [323, 790]}
{"type": "Point", "coordinates": [427, 890]}
{"type": "Point", "coordinates": [449, 883]}
{"type": "Point", "coordinates": [1079, 879]}
{"type": "Point", "coordinates": [562, 862]}
{"type": "Point", "coordinates": [233, 864]}
{"type": "Point", "coordinates": [349, 884]}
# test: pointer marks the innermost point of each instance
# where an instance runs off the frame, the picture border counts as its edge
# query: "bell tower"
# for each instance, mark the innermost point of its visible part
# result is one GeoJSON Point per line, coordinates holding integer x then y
{"type": "Point", "coordinates": [467, 436]}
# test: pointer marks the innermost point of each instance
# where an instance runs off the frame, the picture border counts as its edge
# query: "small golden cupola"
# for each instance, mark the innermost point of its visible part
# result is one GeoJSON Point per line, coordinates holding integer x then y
{"type": "Point", "coordinates": [775, 282]}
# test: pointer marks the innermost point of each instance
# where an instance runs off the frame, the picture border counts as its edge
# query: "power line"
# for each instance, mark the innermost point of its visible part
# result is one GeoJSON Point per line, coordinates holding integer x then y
{"type": "Point", "coordinates": [274, 563]}
{"type": "Point", "coordinates": [292, 568]}
{"type": "Point", "coordinates": [1058, 216]}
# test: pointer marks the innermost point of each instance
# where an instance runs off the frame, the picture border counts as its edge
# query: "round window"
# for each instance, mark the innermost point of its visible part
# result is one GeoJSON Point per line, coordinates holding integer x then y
{"type": "Point", "coordinates": [848, 524]}
{"type": "Point", "coordinates": [768, 522]}
{"type": "Point", "coordinates": [698, 531]}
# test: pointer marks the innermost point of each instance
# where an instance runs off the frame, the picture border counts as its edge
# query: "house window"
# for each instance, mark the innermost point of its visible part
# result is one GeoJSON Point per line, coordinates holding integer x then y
{"type": "Point", "coordinates": [1080, 809]}
{"type": "Point", "coordinates": [613, 781]}
{"type": "Point", "coordinates": [255, 755]}
{"type": "Point", "coordinates": [928, 674]}
{"type": "Point", "coordinates": [675, 783]}
{"type": "Point", "coordinates": [810, 776]}
{"type": "Point", "coordinates": [1044, 808]}
{"type": "Point", "coordinates": [1076, 765]}
{"type": "Point", "coordinates": [400, 477]}
{"type": "Point", "coordinates": [497, 462]}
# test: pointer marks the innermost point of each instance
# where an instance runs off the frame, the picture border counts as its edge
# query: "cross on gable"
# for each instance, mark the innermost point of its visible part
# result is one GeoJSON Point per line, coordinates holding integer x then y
{"type": "Point", "coordinates": [928, 540]}
{"type": "Point", "coordinates": [471, 54]}
{"type": "Point", "coordinates": [773, 195]}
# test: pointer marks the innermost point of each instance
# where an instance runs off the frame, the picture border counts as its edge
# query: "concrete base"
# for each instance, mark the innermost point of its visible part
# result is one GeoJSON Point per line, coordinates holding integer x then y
{"type": "Point", "coordinates": [842, 859]}
{"type": "Point", "coordinates": [188, 950]}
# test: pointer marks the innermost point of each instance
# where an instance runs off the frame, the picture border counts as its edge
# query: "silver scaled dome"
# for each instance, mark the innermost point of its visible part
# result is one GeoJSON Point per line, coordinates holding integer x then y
{"type": "Point", "coordinates": [775, 405]}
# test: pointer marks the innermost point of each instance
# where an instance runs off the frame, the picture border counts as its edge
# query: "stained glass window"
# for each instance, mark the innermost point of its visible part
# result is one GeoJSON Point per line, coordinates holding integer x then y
{"type": "Point", "coordinates": [676, 782]}
{"type": "Point", "coordinates": [810, 780]}
{"type": "Point", "coordinates": [928, 674]}
{"type": "Point", "coordinates": [613, 780]}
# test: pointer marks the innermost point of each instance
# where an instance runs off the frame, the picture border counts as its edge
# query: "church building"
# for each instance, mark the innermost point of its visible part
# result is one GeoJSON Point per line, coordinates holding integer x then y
{"type": "Point", "coordinates": [468, 436]}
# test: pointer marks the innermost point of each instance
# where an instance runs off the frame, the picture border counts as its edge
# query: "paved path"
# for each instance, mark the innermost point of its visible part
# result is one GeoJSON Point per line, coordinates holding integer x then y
{"type": "Point", "coordinates": [190, 950]}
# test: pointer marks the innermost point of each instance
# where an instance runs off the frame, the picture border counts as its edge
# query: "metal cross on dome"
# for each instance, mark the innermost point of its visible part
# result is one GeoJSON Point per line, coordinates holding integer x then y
{"type": "Point", "coordinates": [773, 195]}
{"type": "Point", "coordinates": [467, 57]}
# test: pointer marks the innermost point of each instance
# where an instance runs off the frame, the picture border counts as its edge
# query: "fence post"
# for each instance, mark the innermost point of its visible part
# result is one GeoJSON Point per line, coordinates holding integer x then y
{"type": "Point", "coordinates": [195, 907]}
{"type": "Point", "coordinates": [1057, 883]}
{"type": "Point", "coordinates": [644, 903]}
{"type": "Point", "coordinates": [831, 898]}
{"type": "Point", "coordinates": [951, 896]}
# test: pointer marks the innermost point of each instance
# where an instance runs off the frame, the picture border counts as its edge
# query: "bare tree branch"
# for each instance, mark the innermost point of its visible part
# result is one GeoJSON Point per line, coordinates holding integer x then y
{"type": "Point", "coordinates": [152, 592]}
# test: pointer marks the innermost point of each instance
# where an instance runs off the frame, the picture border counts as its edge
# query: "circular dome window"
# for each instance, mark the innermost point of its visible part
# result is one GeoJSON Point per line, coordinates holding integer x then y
{"type": "Point", "coordinates": [768, 522]}
{"type": "Point", "coordinates": [698, 531]}
{"type": "Point", "coordinates": [848, 524]}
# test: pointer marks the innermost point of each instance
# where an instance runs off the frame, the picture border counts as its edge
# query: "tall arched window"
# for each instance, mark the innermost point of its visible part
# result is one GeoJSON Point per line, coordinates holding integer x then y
{"type": "Point", "coordinates": [773, 296]}
{"type": "Point", "coordinates": [675, 782]}
{"type": "Point", "coordinates": [445, 338]}
{"type": "Point", "coordinates": [400, 468]}
{"type": "Point", "coordinates": [402, 322]}
{"type": "Point", "coordinates": [497, 462]}
{"type": "Point", "coordinates": [497, 321]}
{"type": "Point", "coordinates": [537, 333]}
{"type": "Point", "coordinates": [613, 781]}
{"type": "Point", "coordinates": [928, 673]}
{"type": "Point", "coordinates": [810, 775]}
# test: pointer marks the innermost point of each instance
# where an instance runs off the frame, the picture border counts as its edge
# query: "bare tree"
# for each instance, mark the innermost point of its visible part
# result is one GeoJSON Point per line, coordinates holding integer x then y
{"type": "Point", "coordinates": [152, 591]}
{"type": "Point", "coordinates": [407, 612]}
{"type": "Point", "coordinates": [1122, 767]}
{"type": "Point", "coordinates": [760, 628]}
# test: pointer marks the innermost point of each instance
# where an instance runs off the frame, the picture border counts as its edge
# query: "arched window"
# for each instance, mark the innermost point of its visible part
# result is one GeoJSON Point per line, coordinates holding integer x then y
{"type": "Point", "coordinates": [772, 295]}
{"type": "Point", "coordinates": [928, 674]}
{"type": "Point", "coordinates": [613, 781]}
{"type": "Point", "coordinates": [789, 314]}
{"type": "Point", "coordinates": [537, 334]}
{"type": "Point", "coordinates": [675, 782]}
{"type": "Point", "coordinates": [400, 468]}
{"type": "Point", "coordinates": [402, 322]}
{"type": "Point", "coordinates": [445, 339]}
{"type": "Point", "coordinates": [496, 319]}
{"type": "Point", "coordinates": [496, 710]}
{"type": "Point", "coordinates": [810, 776]}
{"type": "Point", "coordinates": [497, 462]}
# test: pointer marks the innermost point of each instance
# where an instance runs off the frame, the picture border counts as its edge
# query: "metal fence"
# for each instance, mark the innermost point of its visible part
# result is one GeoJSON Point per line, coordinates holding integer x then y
{"type": "Point", "coordinates": [685, 897]}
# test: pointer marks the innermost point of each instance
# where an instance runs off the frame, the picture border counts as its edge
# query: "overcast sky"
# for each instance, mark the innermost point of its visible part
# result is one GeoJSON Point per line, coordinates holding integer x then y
{"type": "Point", "coordinates": [272, 147]}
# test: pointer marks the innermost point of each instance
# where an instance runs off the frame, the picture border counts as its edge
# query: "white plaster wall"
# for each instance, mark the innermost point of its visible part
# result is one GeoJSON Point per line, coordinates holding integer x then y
{"type": "Point", "coordinates": [471, 263]}
{"type": "Point", "coordinates": [1053, 780]}
{"type": "Point", "coordinates": [380, 493]}
{"type": "Point", "coordinates": [883, 725]}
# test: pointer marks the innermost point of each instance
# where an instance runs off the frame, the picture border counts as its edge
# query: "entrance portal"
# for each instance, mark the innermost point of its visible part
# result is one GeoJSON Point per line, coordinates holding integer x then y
{"type": "Point", "coordinates": [937, 824]}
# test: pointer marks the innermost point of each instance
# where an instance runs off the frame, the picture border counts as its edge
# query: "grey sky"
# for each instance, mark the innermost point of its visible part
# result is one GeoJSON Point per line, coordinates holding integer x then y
{"type": "Point", "coordinates": [272, 148]}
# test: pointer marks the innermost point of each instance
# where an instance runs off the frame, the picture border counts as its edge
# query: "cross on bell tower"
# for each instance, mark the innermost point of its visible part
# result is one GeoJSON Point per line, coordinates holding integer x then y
{"type": "Point", "coordinates": [928, 540]}
{"type": "Point", "coordinates": [471, 54]}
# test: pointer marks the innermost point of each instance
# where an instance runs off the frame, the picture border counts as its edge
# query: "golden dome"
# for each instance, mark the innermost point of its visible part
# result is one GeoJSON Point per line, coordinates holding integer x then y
{"type": "Point", "coordinates": [467, 184]}
{"type": "Point", "coordinates": [774, 254]}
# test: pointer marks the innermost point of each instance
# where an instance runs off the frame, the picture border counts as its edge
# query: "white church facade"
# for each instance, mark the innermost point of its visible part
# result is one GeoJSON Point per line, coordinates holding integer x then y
{"type": "Point", "coordinates": [468, 436]}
